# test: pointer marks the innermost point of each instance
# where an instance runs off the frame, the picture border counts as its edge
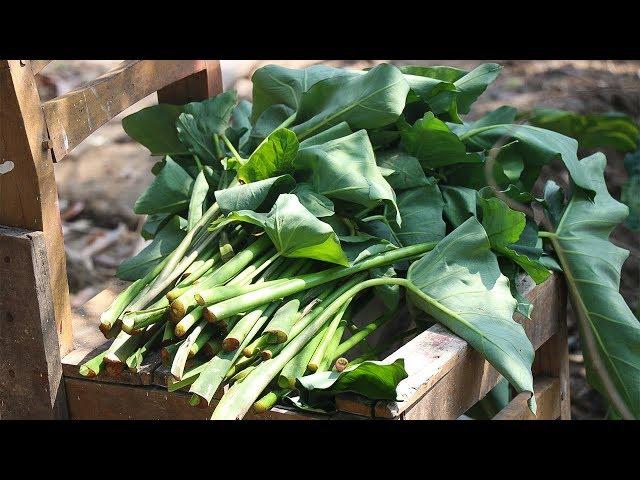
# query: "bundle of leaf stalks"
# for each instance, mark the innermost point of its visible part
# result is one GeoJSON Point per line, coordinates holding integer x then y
{"type": "Point", "coordinates": [275, 223]}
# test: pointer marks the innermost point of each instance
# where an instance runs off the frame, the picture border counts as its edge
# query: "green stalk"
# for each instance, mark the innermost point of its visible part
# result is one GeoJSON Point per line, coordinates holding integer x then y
{"type": "Point", "coordinates": [182, 304]}
{"type": "Point", "coordinates": [361, 334]}
{"type": "Point", "coordinates": [93, 367]}
{"type": "Point", "coordinates": [168, 352]}
{"type": "Point", "coordinates": [320, 351]}
{"type": "Point", "coordinates": [241, 329]}
{"type": "Point", "coordinates": [237, 401]}
{"type": "Point", "coordinates": [124, 298]}
{"type": "Point", "coordinates": [135, 322]}
{"type": "Point", "coordinates": [255, 346]}
{"type": "Point", "coordinates": [283, 320]}
{"type": "Point", "coordinates": [188, 321]}
{"type": "Point", "coordinates": [201, 341]}
{"type": "Point", "coordinates": [269, 400]}
{"type": "Point", "coordinates": [136, 358]}
{"type": "Point", "coordinates": [168, 336]}
{"type": "Point", "coordinates": [212, 376]}
{"type": "Point", "coordinates": [257, 267]}
{"type": "Point", "coordinates": [246, 302]}
{"type": "Point", "coordinates": [180, 359]}
{"type": "Point", "coordinates": [327, 360]}
{"type": "Point", "coordinates": [241, 375]}
{"type": "Point", "coordinates": [374, 353]}
{"type": "Point", "coordinates": [197, 263]}
{"type": "Point", "coordinates": [232, 149]}
{"type": "Point", "coordinates": [297, 366]}
{"type": "Point", "coordinates": [212, 347]}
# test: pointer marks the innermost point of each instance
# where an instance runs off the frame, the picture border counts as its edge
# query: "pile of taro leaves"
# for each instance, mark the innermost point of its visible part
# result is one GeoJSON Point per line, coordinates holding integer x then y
{"type": "Point", "coordinates": [275, 223]}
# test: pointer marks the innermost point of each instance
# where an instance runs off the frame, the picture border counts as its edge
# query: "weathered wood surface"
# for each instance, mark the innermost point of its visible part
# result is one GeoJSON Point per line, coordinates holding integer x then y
{"type": "Point", "coordinates": [446, 376]}
{"type": "Point", "coordinates": [38, 65]}
{"type": "Point", "coordinates": [28, 193]}
{"type": "Point", "coordinates": [203, 84]}
{"type": "Point", "coordinates": [547, 393]}
{"type": "Point", "coordinates": [30, 370]}
{"type": "Point", "coordinates": [96, 400]}
{"type": "Point", "coordinates": [74, 116]}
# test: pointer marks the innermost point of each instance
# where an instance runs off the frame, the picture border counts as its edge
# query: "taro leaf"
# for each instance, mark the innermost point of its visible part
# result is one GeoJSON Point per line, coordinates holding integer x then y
{"type": "Point", "coordinates": [155, 128]}
{"type": "Point", "coordinates": [345, 169]}
{"type": "Point", "coordinates": [337, 131]}
{"type": "Point", "coordinates": [536, 145]}
{"type": "Point", "coordinates": [421, 212]}
{"type": "Point", "coordinates": [369, 100]}
{"type": "Point", "coordinates": [274, 85]}
{"type": "Point", "coordinates": [631, 190]}
{"type": "Point", "coordinates": [272, 158]}
{"type": "Point", "coordinates": [165, 241]}
{"type": "Point", "coordinates": [459, 204]}
{"type": "Point", "coordinates": [169, 192]}
{"type": "Point", "coordinates": [553, 201]}
{"type": "Point", "coordinates": [197, 203]}
{"type": "Point", "coordinates": [404, 170]}
{"type": "Point", "coordinates": [373, 379]}
{"type": "Point", "coordinates": [613, 129]}
{"type": "Point", "coordinates": [434, 85]}
{"type": "Point", "coordinates": [474, 83]}
{"type": "Point", "coordinates": [459, 283]}
{"type": "Point", "coordinates": [267, 122]}
{"type": "Point", "coordinates": [359, 247]}
{"type": "Point", "coordinates": [379, 227]}
{"type": "Point", "coordinates": [523, 307]}
{"type": "Point", "coordinates": [432, 142]}
{"type": "Point", "coordinates": [153, 224]}
{"type": "Point", "coordinates": [241, 123]}
{"type": "Point", "coordinates": [499, 116]}
{"type": "Point", "coordinates": [389, 295]}
{"type": "Point", "coordinates": [295, 232]}
{"type": "Point", "coordinates": [317, 204]}
{"type": "Point", "coordinates": [592, 265]}
{"type": "Point", "coordinates": [504, 227]}
{"type": "Point", "coordinates": [201, 121]}
{"type": "Point", "coordinates": [257, 196]}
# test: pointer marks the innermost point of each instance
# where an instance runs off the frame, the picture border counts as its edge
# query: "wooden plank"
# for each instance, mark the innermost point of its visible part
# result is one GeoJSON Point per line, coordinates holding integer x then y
{"type": "Point", "coordinates": [446, 376]}
{"type": "Point", "coordinates": [90, 342]}
{"type": "Point", "coordinates": [74, 116]}
{"type": "Point", "coordinates": [547, 393]}
{"type": "Point", "coordinates": [28, 193]}
{"type": "Point", "coordinates": [30, 370]}
{"type": "Point", "coordinates": [107, 401]}
{"type": "Point", "coordinates": [38, 65]}
{"type": "Point", "coordinates": [203, 84]}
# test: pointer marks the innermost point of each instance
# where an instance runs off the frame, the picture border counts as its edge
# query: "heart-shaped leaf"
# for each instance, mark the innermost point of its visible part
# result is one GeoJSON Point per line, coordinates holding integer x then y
{"type": "Point", "coordinates": [155, 128]}
{"type": "Point", "coordinates": [273, 157]}
{"type": "Point", "coordinates": [169, 192]}
{"type": "Point", "coordinates": [404, 171]}
{"type": "Point", "coordinates": [421, 212]}
{"type": "Point", "coordinates": [316, 203]}
{"type": "Point", "coordinates": [257, 196]}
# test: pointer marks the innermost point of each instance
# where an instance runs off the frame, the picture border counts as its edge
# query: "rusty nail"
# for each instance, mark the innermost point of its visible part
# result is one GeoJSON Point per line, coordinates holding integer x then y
{"type": "Point", "coordinates": [47, 144]}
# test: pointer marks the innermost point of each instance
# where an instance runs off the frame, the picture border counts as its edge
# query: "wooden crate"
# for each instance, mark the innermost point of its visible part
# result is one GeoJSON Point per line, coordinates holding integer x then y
{"type": "Point", "coordinates": [42, 342]}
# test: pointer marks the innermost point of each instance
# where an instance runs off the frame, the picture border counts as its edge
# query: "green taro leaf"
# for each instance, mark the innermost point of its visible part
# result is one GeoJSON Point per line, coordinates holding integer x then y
{"type": "Point", "coordinates": [201, 121]}
{"type": "Point", "coordinates": [373, 379]}
{"type": "Point", "coordinates": [273, 84]}
{"type": "Point", "coordinates": [421, 212]}
{"type": "Point", "coordinates": [359, 247]}
{"type": "Point", "coordinates": [345, 169]}
{"type": "Point", "coordinates": [337, 131]}
{"type": "Point", "coordinates": [432, 142]}
{"type": "Point", "coordinates": [169, 192]}
{"type": "Point", "coordinates": [295, 232]}
{"type": "Point", "coordinates": [403, 170]}
{"type": "Point", "coordinates": [474, 83]}
{"type": "Point", "coordinates": [197, 203]}
{"type": "Point", "coordinates": [613, 129]}
{"type": "Point", "coordinates": [459, 204]}
{"type": "Point", "coordinates": [459, 283]}
{"type": "Point", "coordinates": [165, 241]}
{"type": "Point", "coordinates": [536, 145]}
{"type": "Point", "coordinates": [369, 100]}
{"type": "Point", "coordinates": [241, 123]}
{"type": "Point", "coordinates": [155, 128]}
{"type": "Point", "coordinates": [258, 196]}
{"type": "Point", "coordinates": [317, 204]}
{"type": "Point", "coordinates": [267, 123]}
{"type": "Point", "coordinates": [273, 157]}
{"type": "Point", "coordinates": [434, 85]}
{"type": "Point", "coordinates": [504, 227]}
{"type": "Point", "coordinates": [592, 266]}
{"type": "Point", "coordinates": [553, 201]}
{"type": "Point", "coordinates": [523, 307]}
{"type": "Point", "coordinates": [153, 224]}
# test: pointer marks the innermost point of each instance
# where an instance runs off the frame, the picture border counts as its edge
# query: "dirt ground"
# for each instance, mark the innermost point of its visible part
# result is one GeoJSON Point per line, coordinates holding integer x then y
{"type": "Point", "coordinates": [99, 182]}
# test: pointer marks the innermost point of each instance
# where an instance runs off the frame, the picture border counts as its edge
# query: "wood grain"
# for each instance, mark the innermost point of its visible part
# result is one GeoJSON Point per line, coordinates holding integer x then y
{"type": "Point", "coordinates": [547, 393]}
{"type": "Point", "coordinates": [28, 193]}
{"type": "Point", "coordinates": [203, 84]}
{"type": "Point", "coordinates": [74, 116]}
{"type": "Point", "coordinates": [30, 370]}
{"type": "Point", "coordinates": [38, 65]}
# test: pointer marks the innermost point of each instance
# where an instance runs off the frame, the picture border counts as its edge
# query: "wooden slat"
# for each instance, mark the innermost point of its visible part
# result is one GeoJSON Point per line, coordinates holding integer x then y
{"type": "Point", "coordinates": [446, 375]}
{"type": "Point", "coordinates": [199, 86]}
{"type": "Point", "coordinates": [30, 371]}
{"type": "Point", "coordinates": [74, 116]}
{"type": "Point", "coordinates": [28, 193]}
{"type": "Point", "coordinates": [106, 401]}
{"type": "Point", "coordinates": [38, 65]}
{"type": "Point", "coordinates": [547, 393]}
